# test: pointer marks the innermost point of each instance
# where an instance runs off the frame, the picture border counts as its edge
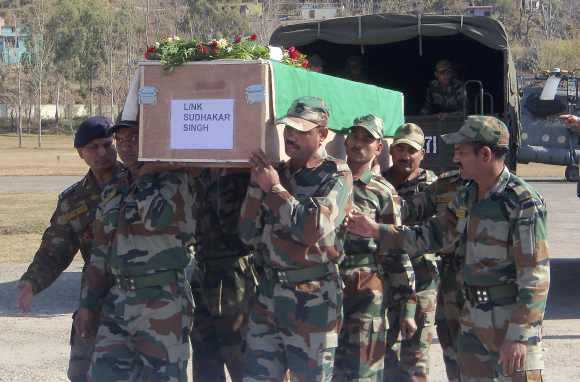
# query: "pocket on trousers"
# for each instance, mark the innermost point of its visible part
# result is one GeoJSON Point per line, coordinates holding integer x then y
{"type": "Point", "coordinates": [323, 341]}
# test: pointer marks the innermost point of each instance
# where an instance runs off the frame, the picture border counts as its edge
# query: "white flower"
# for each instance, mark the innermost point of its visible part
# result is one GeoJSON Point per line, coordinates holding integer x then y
{"type": "Point", "coordinates": [222, 43]}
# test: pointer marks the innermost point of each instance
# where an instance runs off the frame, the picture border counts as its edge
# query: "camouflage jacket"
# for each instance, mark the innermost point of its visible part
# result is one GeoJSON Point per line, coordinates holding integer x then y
{"type": "Point", "coordinates": [407, 189]}
{"type": "Point", "coordinates": [142, 227]}
{"type": "Point", "coordinates": [70, 229]}
{"type": "Point", "coordinates": [375, 197]}
{"type": "Point", "coordinates": [503, 240]}
{"type": "Point", "coordinates": [298, 223]}
{"type": "Point", "coordinates": [217, 210]}
{"type": "Point", "coordinates": [434, 199]}
{"type": "Point", "coordinates": [439, 100]}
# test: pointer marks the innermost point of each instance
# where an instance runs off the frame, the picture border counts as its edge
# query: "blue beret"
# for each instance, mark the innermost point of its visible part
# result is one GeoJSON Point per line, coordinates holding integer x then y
{"type": "Point", "coordinates": [92, 128]}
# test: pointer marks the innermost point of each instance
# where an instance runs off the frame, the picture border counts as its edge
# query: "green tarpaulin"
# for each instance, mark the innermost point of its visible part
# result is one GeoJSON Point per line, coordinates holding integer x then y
{"type": "Point", "coordinates": [346, 99]}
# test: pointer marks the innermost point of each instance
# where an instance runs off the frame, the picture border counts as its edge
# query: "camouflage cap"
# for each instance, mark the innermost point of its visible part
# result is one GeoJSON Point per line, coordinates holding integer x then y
{"type": "Point", "coordinates": [409, 134]}
{"type": "Point", "coordinates": [371, 123]}
{"type": "Point", "coordinates": [305, 114]}
{"type": "Point", "coordinates": [480, 129]}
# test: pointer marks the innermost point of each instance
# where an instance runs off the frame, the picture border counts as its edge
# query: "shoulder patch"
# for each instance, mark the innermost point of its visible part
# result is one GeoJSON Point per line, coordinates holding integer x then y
{"type": "Point", "coordinates": [519, 188]}
{"type": "Point", "coordinates": [76, 212]}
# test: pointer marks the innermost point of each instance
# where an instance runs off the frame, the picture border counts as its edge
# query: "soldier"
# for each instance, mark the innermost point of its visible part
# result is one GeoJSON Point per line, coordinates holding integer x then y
{"type": "Point", "coordinates": [498, 222]}
{"type": "Point", "coordinates": [408, 178]}
{"type": "Point", "coordinates": [445, 93]}
{"type": "Point", "coordinates": [227, 286]}
{"type": "Point", "coordinates": [143, 229]}
{"type": "Point", "coordinates": [293, 214]}
{"type": "Point", "coordinates": [419, 208]}
{"type": "Point", "coordinates": [71, 229]}
{"type": "Point", "coordinates": [362, 341]}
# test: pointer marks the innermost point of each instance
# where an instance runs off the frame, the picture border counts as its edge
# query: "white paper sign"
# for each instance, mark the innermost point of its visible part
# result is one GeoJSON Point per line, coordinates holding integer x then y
{"type": "Point", "coordinates": [202, 124]}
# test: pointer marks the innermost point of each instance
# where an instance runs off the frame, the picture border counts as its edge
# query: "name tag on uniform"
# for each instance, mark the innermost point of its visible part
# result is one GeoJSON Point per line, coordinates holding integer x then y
{"type": "Point", "coordinates": [82, 209]}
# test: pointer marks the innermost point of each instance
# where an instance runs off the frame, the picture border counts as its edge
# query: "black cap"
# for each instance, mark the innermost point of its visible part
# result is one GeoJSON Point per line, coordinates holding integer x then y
{"type": "Point", "coordinates": [92, 128]}
{"type": "Point", "coordinates": [121, 123]}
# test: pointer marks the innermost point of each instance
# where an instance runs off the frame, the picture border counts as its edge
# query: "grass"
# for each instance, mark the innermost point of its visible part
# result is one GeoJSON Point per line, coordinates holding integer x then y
{"type": "Point", "coordinates": [23, 219]}
{"type": "Point", "coordinates": [56, 157]}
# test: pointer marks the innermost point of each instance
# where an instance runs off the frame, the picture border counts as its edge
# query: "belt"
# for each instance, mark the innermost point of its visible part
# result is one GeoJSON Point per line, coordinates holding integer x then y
{"type": "Point", "coordinates": [227, 261]}
{"type": "Point", "coordinates": [296, 276]}
{"type": "Point", "coordinates": [358, 260]}
{"type": "Point", "coordinates": [497, 294]}
{"type": "Point", "coordinates": [132, 283]}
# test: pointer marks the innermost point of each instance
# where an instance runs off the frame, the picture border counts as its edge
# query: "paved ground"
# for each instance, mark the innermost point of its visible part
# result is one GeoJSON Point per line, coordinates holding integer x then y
{"type": "Point", "coordinates": [35, 347]}
{"type": "Point", "coordinates": [23, 184]}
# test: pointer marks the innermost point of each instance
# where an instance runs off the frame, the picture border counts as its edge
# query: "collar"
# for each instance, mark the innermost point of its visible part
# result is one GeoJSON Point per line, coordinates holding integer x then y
{"type": "Point", "coordinates": [366, 177]}
{"type": "Point", "coordinates": [501, 184]}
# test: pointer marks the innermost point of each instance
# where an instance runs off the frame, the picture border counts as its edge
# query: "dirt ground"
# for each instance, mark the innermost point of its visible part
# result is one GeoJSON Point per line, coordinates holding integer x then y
{"type": "Point", "coordinates": [35, 346]}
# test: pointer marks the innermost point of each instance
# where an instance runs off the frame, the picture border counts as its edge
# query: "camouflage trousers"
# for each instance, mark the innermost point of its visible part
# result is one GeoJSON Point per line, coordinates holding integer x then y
{"type": "Point", "coordinates": [483, 330]}
{"type": "Point", "coordinates": [363, 339]}
{"type": "Point", "coordinates": [220, 320]}
{"type": "Point", "coordinates": [295, 328]}
{"type": "Point", "coordinates": [410, 357]}
{"type": "Point", "coordinates": [144, 335]}
{"type": "Point", "coordinates": [450, 300]}
{"type": "Point", "coordinates": [81, 352]}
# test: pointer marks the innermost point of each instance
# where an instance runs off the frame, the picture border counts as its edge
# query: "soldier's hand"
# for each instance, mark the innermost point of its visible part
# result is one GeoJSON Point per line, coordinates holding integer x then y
{"type": "Point", "coordinates": [86, 323]}
{"type": "Point", "coordinates": [408, 327]}
{"type": "Point", "coordinates": [362, 225]}
{"type": "Point", "coordinates": [24, 297]}
{"type": "Point", "coordinates": [512, 357]}
{"type": "Point", "coordinates": [263, 173]}
{"type": "Point", "coordinates": [570, 119]}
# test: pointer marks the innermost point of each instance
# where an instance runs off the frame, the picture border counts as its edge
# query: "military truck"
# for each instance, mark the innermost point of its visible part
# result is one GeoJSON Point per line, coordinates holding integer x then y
{"type": "Point", "coordinates": [399, 52]}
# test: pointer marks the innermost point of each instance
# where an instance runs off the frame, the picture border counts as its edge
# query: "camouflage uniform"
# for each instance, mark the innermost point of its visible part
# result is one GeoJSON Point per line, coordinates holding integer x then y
{"type": "Point", "coordinates": [506, 263]}
{"type": "Point", "coordinates": [226, 286]}
{"type": "Point", "coordinates": [440, 100]}
{"type": "Point", "coordinates": [362, 342]}
{"type": "Point", "coordinates": [70, 230]}
{"type": "Point", "coordinates": [142, 231]}
{"type": "Point", "coordinates": [296, 318]}
{"type": "Point", "coordinates": [420, 207]}
{"type": "Point", "coordinates": [414, 352]}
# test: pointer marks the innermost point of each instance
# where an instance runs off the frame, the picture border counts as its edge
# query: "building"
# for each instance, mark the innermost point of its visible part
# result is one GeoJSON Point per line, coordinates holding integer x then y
{"type": "Point", "coordinates": [12, 43]}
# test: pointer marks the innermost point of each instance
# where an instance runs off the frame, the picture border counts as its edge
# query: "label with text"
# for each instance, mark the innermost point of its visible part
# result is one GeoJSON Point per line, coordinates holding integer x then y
{"type": "Point", "coordinates": [202, 124]}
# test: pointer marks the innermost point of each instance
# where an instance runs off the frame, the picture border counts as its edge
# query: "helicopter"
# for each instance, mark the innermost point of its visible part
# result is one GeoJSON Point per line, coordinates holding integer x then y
{"type": "Point", "coordinates": [544, 137]}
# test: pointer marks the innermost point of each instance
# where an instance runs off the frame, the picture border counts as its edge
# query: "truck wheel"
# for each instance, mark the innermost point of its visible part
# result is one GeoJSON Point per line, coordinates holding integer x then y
{"type": "Point", "coordinates": [572, 173]}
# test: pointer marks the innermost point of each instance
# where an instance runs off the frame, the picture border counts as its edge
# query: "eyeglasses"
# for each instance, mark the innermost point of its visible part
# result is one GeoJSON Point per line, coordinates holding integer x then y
{"type": "Point", "coordinates": [133, 139]}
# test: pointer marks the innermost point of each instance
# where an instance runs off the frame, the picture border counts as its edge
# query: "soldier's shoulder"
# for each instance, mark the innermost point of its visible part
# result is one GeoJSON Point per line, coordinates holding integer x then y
{"type": "Point", "coordinates": [451, 176]}
{"type": "Point", "coordinates": [522, 193]}
{"type": "Point", "coordinates": [380, 182]}
{"type": "Point", "coordinates": [430, 176]}
{"type": "Point", "coordinates": [72, 191]}
{"type": "Point", "coordinates": [338, 165]}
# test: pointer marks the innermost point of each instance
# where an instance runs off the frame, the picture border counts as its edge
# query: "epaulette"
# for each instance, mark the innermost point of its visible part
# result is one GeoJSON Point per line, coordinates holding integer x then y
{"type": "Point", "coordinates": [384, 182]}
{"type": "Point", "coordinates": [451, 176]}
{"type": "Point", "coordinates": [517, 186]}
{"type": "Point", "coordinates": [71, 189]}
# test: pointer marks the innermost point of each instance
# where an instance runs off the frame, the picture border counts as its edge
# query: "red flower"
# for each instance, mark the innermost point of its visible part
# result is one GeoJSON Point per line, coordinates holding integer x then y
{"type": "Point", "coordinates": [293, 53]}
{"type": "Point", "coordinates": [238, 39]}
{"type": "Point", "coordinates": [305, 64]}
{"type": "Point", "coordinates": [149, 51]}
{"type": "Point", "coordinates": [253, 37]}
{"type": "Point", "coordinates": [214, 44]}
{"type": "Point", "coordinates": [202, 49]}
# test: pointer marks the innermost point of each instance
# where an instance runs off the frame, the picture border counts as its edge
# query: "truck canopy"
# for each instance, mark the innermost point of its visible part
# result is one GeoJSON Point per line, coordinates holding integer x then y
{"type": "Point", "coordinates": [399, 52]}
